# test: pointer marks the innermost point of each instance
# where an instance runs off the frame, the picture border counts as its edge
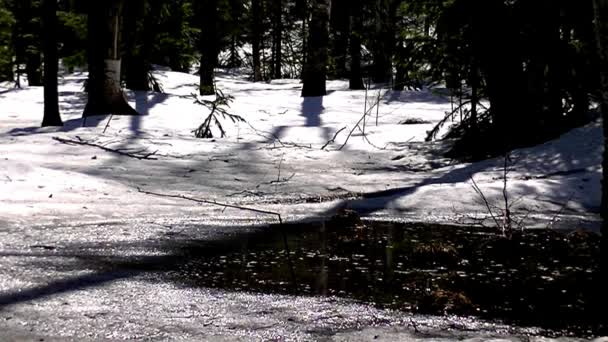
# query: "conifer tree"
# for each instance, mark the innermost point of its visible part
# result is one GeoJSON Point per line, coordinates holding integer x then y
{"type": "Point", "coordinates": [51, 61]}
{"type": "Point", "coordinates": [105, 95]}
{"type": "Point", "coordinates": [315, 71]}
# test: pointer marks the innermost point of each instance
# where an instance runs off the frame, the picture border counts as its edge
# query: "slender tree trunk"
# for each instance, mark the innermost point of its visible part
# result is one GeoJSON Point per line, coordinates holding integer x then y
{"type": "Point", "coordinates": [26, 41]}
{"type": "Point", "coordinates": [356, 29]}
{"type": "Point", "coordinates": [277, 39]}
{"type": "Point", "coordinates": [33, 60]}
{"type": "Point", "coordinates": [103, 85]}
{"type": "Point", "coordinates": [256, 33]}
{"type": "Point", "coordinates": [33, 67]}
{"type": "Point", "coordinates": [136, 67]}
{"type": "Point", "coordinates": [51, 61]}
{"type": "Point", "coordinates": [601, 22]}
{"type": "Point", "coordinates": [315, 70]}
{"type": "Point", "coordinates": [340, 27]}
{"type": "Point", "coordinates": [208, 47]}
{"type": "Point", "coordinates": [383, 48]}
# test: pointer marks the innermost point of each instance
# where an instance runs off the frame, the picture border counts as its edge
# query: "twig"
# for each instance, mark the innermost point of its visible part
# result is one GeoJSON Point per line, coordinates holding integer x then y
{"type": "Point", "coordinates": [133, 154]}
{"type": "Point", "coordinates": [332, 140]}
{"type": "Point", "coordinates": [485, 201]}
{"type": "Point", "coordinates": [561, 210]}
{"type": "Point", "coordinates": [108, 124]}
{"type": "Point", "coordinates": [507, 215]}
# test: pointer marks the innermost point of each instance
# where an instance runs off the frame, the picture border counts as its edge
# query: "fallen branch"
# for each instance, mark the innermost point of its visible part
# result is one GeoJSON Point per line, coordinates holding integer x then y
{"type": "Point", "coordinates": [225, 205]}
{"type": "Point", "coordinates": [132, 154]}
{"type": "Point", "coordinates": [332, 140]}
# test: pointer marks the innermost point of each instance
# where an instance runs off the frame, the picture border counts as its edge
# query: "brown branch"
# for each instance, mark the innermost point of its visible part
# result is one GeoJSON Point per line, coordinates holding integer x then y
{"type": "Point", "coordinates": [136, 154]}
{"type": "Point", "coordinates": [332, 140]}
{"type": "Point", "coordinates": [225, 205]}
{"type": "Point", "coordinates": [485, 201]}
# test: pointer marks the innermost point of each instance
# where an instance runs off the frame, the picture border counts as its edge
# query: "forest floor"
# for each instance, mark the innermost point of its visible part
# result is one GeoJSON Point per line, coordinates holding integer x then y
{"type": "Point", "coordinates": [87, 192]}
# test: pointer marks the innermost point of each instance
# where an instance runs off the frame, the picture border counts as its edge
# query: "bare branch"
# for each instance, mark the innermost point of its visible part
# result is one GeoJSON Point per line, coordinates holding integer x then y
{"type": "Point", "coordinates": [485, 201]}
{"type": "Point", "coordinates": [225, 205]}
{"type": "Point", "coordinates": [332, 140]}
{"type": "Point", "coordinates": [132, 154]}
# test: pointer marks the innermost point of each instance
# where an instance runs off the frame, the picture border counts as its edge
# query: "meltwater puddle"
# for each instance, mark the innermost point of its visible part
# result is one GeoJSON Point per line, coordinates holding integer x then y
{"type": "Point", "coordinates": [538, 278]}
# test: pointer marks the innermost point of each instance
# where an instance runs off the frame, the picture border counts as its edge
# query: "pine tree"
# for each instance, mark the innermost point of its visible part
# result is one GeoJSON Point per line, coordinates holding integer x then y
{"type": "Point", "coordinates": [51, 61]}
{"type": "Point", "coordinates": [104, 60]}
{"type": "Point", "coordinates": [209, 45]}
{"type": "Point", "coordinates": [256, 39]}
{"type": "Point", "coordinates": [277, 38]}
{"type": "Point", "coordinates": [7, 21]}
{"type": "Point", "coordinates": [356, 30]}
{"type": "Point", "coordinates": [315, 70]}
{"type": "Point", "coordinates": [340, 29]}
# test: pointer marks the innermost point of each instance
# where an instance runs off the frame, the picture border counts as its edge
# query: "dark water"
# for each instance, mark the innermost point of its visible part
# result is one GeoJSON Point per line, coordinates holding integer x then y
{"type": "Point", "coordinates": [539, 277]}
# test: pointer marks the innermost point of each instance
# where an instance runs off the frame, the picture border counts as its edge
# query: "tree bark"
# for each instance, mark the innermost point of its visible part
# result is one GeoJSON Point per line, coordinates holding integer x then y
{"type": "Point", "coordinates": [383, 48]}
{"type": "Point", "coordinates": [256, 33]}
{"type": "Point", "coordinates": [208, 46]}
{"type": "Point", "coordinates": [277, 39]}
{"type": "Point", "coordinates": [103, 85]}
{"type": "Point", "coordinates": [340, 27]}
{"type": "Point", "coordinates": [51, 61]}
{"type": "Point", "coordinates": [315, 69]}
{"type": "Point", "coordinates": [136, 66]}
{"type": "Point", "coordinates": [356, 29]}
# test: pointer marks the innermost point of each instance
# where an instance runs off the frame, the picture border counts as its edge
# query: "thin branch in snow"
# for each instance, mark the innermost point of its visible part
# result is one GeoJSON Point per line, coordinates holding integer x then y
{"type": "Point", "coordinates": [204, 201]}
{"type": "Point", "coordinates": [332, 140]}
{"type": "Point", "coordinates": [485, 201]}
{"type": "Point", "coordinates": [139, 154]}
{"type": "Point", "coordinates": [559, 213]}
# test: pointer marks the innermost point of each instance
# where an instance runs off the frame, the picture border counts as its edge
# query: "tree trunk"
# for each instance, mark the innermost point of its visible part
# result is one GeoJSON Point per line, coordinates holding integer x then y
{"type": "Point", "coordinates": [26, 41]}
{"type": "Point", "coordinates": [208, 47]}
{"type": "Point", "coordinates": [32, 68]}
{"type": "Point", "coordinates": [383, 48]}
{"type": "Point", "coordinates": [277, 37]}
{"type": "Point", "coordinates": [51, 61]}
{"type": "Point", "coordinates": [315, 69]}
{"type": "Point", "coordinates": [103, 85]}
{"type": "Point", "coordinates": [136, 67]}
{"type": "Point", "coordinates": [340, 27]}
{"type": "Point", "coordinates": [356, 29]}
{"type": "Point", "coordinates": [256, 33]}
{"type": "Point", "coordinates": [601, 22]}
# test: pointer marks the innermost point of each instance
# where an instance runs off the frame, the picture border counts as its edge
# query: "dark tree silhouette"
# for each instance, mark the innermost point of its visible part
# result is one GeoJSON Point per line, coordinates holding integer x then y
{"type": "Point", "coordinates": [51, 61]}
{"type": "Point", "coordinates": [256, 39]}
{"type": "Point", "coordinates": [356, 30]}
{"type": "Point", "coordinates": [209, 48]}
{"type": "Point", "coordinates": [601, 22]}
{"type": "Point", "coordinates": [104, 57]}
{"type": "Point", "coordinates": [315, 69]}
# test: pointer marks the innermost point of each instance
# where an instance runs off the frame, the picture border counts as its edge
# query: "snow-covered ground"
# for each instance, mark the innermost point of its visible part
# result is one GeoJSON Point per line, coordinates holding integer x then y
{"type": "Point", "coordinates": [275, 161]}
{"type": "Point", "coordinates": [64, 206]}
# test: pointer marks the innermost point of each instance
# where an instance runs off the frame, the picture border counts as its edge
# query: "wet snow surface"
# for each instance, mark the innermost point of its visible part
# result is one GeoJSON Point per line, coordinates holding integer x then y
{"type": "Point", "coordinates": [65, 209]}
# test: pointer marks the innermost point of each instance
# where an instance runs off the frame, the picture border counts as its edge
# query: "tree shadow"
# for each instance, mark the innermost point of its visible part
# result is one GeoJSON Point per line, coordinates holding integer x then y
{"type": "Point", "coordinates": [312, 108]}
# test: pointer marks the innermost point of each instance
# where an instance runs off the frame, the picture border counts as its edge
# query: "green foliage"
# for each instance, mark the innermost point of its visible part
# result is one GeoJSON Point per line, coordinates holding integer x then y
{"type": "Point", "coordinates": [72, 28]}
{"type": "Point", "coordinates": [7, 21]}
{"type": "Point", "coordinates": [176, 34]}
{"type": "Point", "coordinates": [218, 106]}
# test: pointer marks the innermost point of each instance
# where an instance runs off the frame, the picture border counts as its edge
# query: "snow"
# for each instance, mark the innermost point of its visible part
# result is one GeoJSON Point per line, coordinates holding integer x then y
{"type": "Point", "coordinates": [558, 181]}
{"type": "Point", "coordinates": [84, 204]}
